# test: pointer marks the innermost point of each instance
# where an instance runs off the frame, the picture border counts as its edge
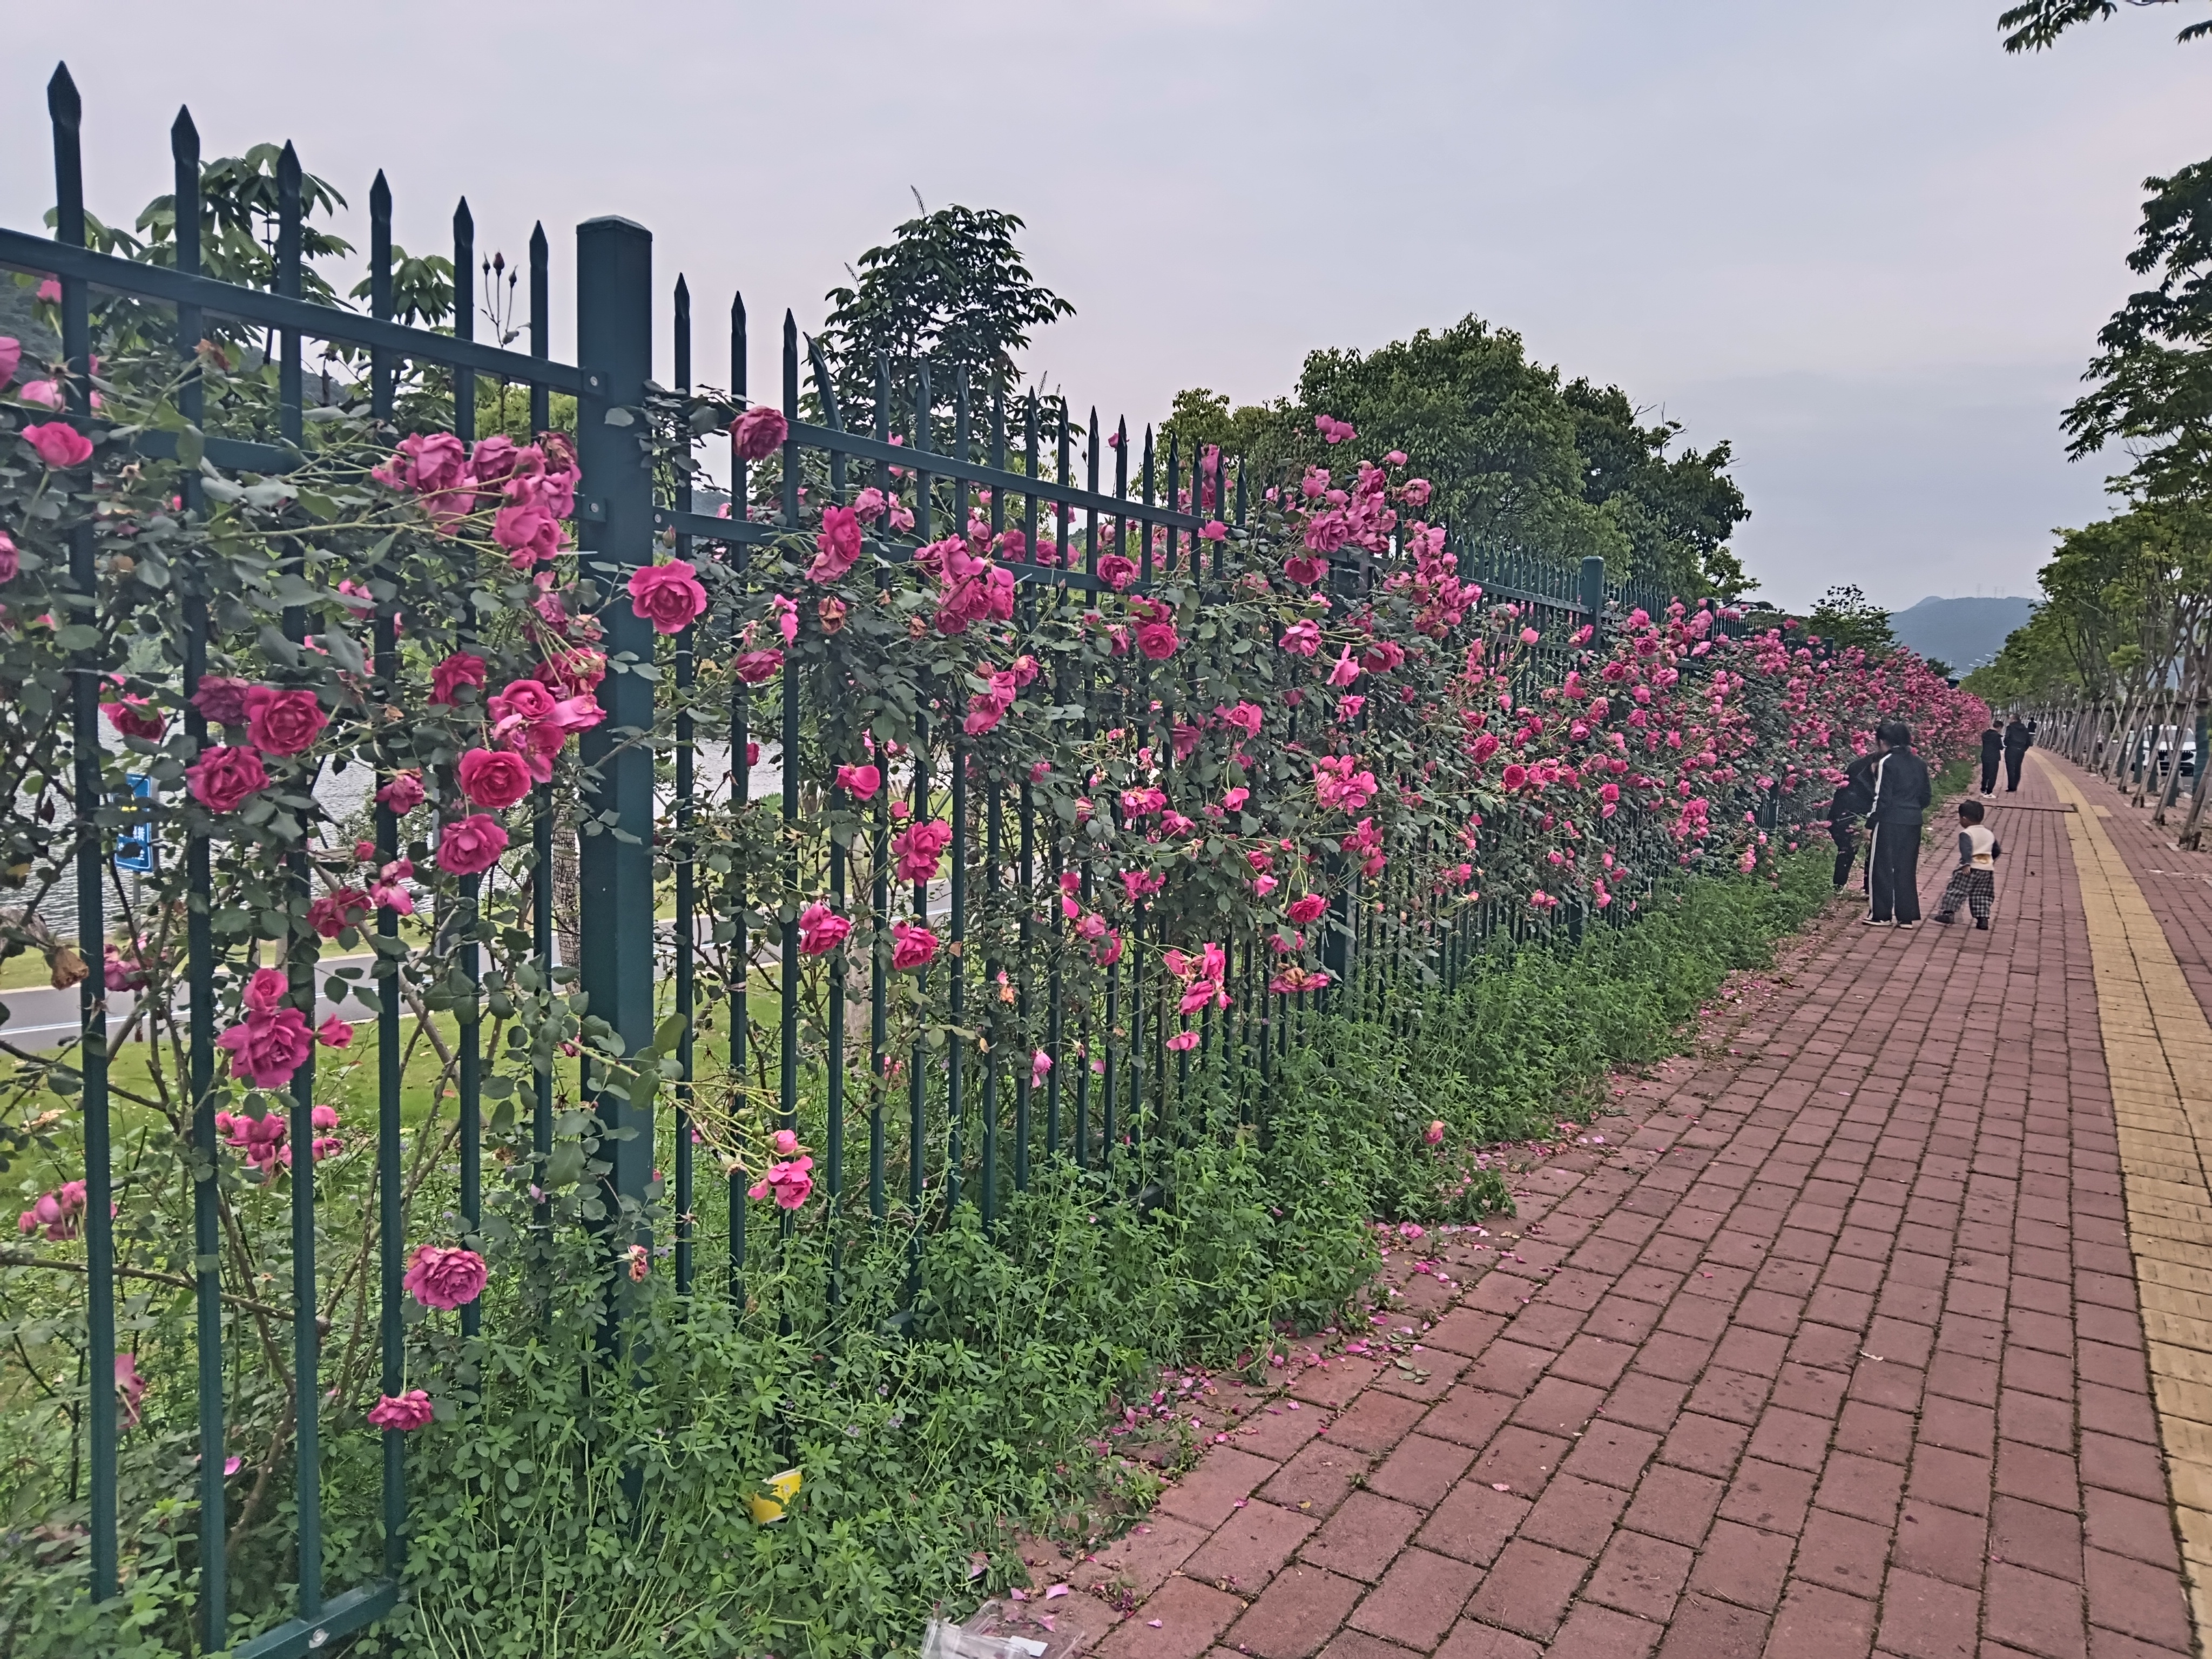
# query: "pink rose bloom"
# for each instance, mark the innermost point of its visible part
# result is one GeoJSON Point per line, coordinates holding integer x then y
{"type": "Point", "coordinates": [667, 595]}
{"type": "Point", "coordinates": [1435, 1132]}
{"type": "Point", "coordinates": [333, 1033]}
{"type": "Point", "coordinates": [837, 544]}
{"type": "Point", "coordinates": [1307, 909]}
{"type": "Point", "coordinates": [496, 778]}
{"type": "Point", "coordinates": [11, 562]}
{"type": "Point", "coordinates": [223, 776]}
{"type": "Point", "coordinates": [1301, 639]}
{"type": "Point", "coordinates": [1529, 636]}
{"type": "Point", "coordinates": [1213, 530]}
{"type": "Point", "coordinates": [11, 357]}
{"type": "Point", "coordinates": [222, 700]}
{"type": "Point", "coordinates": [758, 667]}
{"type": "Point", "coordinates": [444, 1279]}
{"type": "Point", "coordinates": [1156, 640]}
{"type": "Point", "coordinates": [462, 668]}
{"type": "Point", "coordinates": [267, 1048]}
{"type": "Point", "coordinates": [132, 716]}
{"type": "Point", "coordinates": [1117, 571]}
{"type": "Point", "coordinates": [333, 914]}
{"type": "Point", "coordinates": [821, 930]}
{"type": "Point", "coordinates": [759, 432]}
{"type": "Point", "coordinates": [470, 846]}
{"type": "Point", "coordinates": [524, 703]}
{"type": "Point", "coordinates": [789, 1182]}
{"type": "Point", "coordinates": [784, 1144]}
{"type": "Point", "coordinates": [1182, 1041]}
{"type": "Point", "coordinates": [434, 465]}
{"type": "Point", "coordinates": [402, 1411]}
{"type": "Point", "coordinates": [402, 795]}
{"type": "Point", "coordinates": [912, 947]}
{"type": "Point", "coordinates": [58, 444]}
{"type": "Point", "coordinates": [1345, 670]}
{"type": "Point", "coordinates": [530, 534]}
{"type": "Point", "coordinates": [282, 722]}
{"type": "Point", "coordinates": [918, 847]}
{"type": "Point", "coordinates": [1040, 1064]}
{"type": "Point", "coordinates": [868, 505]}
{"type": "Point", "coordinates": [862, 782]}
{"type": "Point", "coordinates": [44, 393]}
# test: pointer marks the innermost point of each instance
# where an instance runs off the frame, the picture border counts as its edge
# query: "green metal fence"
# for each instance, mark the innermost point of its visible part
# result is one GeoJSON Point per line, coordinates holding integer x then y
{"type": "Point", "coordinates": [970, 1122]}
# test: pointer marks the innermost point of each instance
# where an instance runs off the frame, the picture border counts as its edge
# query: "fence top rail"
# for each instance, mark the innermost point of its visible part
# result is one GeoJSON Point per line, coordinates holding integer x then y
{"type": "Point", "coordinates": [21, 251]}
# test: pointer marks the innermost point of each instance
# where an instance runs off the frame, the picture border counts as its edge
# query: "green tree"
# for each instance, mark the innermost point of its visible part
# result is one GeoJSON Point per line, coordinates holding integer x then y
{"type": "Point", "coordinates": [1515, 457]}
{"type": "Point", "coordinates": [2151, 380]}
{"type": "Point", "coordinates": [1846, 619]}
{"type": "Point", "coordinates": [2038, 23]}
{"type": "Point", "coordinates": [951, 290]}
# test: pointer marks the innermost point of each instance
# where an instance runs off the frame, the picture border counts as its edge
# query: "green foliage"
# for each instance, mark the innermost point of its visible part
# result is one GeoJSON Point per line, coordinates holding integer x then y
{"type": "Point", "coordinates": [1515, 457]}
{"type": "Point", "coordinates": [2038, 23]}
{"type": "Point", "coordinates": [596, 1501]}
{"type": "Point", "coordinates": [1847, 620]}
{"type": "Point", "coordinates": [951, 290]}
{"type": "Point", "coordinates": [2151, 380]}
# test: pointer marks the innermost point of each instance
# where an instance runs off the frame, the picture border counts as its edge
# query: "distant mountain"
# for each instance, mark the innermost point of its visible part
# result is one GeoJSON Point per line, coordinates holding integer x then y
{"type": "Point", "coordinates": [1964, 633]}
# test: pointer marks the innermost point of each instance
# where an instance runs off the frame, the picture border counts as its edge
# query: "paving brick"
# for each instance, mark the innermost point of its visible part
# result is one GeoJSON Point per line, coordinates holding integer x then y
{"type": "Point", "coordinates": [1641, 1575]}
{"type": "Point", "coordinates": [1375, 1422]}
{"type": "Point", "coordinates": [1521, 1459]}
{"type": "Point", "coordinates": [1245, 1551]}
{"type": "Point", "coordinates": [1597, 1632]}
{"type": "Point", "coordinates": [1940, 1543]}
{"type": "Point", "coordinates": [1468, 1414]}
{"type": "Point", "coordinates": [2034, 1613]}
{"type": "Point", "coordinates": [1361, 1537]}
{"type": "Point", "coordinates": [1316, 1481]}
{"type": "Point", "coordinates": [1142, 1558]}
{"type": "Point", "coordinates": [1817, 1623]}
{"type": "Point", "coordinates": [1190, 1614]}
{"type": "Point", "coordinates": [1613, 1453]}
{"type": "Point", "coordinates": [1676, 1503]}
{"type": "Point", "coordinates": [1864, 1486]}
{"type": "Point", "coordinates": [1795, 1438]}
{"type": "Point", "coordinates": [1474, 1522]}
{"type": "Point", "coordinates": [2136, 1600]}
{"type": "Point", "coordinates": [1473, 1641]}
{"type": "Point", "coordinates": [1768, 1494]}
{"type": "Point", "coordinates": [1295, 1614]}
{"type": "Point", "coordinates": [1710, 1445]}
{"type": "Point", "coordinates": [1743, 1565]}
{"type": "Point", "coordinates": [1528, 1589]}
{"type": "Point", "coordinates": [1418, 1598]}
{"type": "Point", "coordinates": [2031, 1535]}
{"type": "Point", "coordinates": [1924, 1618]}
{"type": "Point", "coordinates": [1207, 1495]}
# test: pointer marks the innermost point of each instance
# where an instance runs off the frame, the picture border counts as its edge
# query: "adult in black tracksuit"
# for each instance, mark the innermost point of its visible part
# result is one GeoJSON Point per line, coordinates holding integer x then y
{"type": "Point", "coordinates": [1849, 804]}
{"type": "Point", "coordinates": [2017, 741]}
{"type": "Point", "coordinates": [1901, 793]}
{"type": "Point", "coordinates": [1992, 748]}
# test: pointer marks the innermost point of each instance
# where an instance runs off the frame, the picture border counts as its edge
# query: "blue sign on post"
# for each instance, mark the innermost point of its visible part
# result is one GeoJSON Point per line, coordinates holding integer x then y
{"type": "Point", "coordinates": [134, 848]}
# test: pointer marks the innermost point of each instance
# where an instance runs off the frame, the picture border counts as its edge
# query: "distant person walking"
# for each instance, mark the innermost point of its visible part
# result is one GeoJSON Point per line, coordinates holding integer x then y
{"type": "Point", "coordinates": [2018, 738]}
{"type": "Point", "coordinates": [1992, 750]}
{"type": "Point", "coordinates": [1902, 790]}
{"type": "Point", "coordinates": [1852, 797]}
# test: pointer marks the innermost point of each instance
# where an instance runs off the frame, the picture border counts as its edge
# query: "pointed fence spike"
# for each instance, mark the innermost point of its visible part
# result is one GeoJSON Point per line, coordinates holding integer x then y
{"type": "Point", "coordinates": [183, 136]}
{"type": "Point", "coordinates": [62, 104]}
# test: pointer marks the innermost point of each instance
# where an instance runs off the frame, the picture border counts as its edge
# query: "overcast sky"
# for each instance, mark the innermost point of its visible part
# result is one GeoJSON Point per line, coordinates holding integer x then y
{"type": "Point", "coordinates": [1851, 237]}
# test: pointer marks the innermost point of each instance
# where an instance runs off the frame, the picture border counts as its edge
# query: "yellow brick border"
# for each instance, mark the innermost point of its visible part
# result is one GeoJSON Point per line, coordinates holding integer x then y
{"type": "Point", "coordinates": [2158, 1054]}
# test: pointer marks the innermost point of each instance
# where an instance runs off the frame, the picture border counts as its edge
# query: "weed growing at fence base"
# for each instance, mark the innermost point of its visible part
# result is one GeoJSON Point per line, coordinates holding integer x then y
{"type": "Point", "coordinates": [924, 1444]}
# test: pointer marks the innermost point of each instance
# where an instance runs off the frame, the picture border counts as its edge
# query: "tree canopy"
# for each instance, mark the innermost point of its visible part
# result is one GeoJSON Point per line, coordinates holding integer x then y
{"type": "Point", "coordinates": [1845, 619]}
{"type": "Point", "coordinates": [2151, 380]}
{"type": "Point", "coordinates": [1514, 455]}
{"type": "Point", "coordinates": [951, 289]}
{"type": "Point", "coordinates": [2038, 23]}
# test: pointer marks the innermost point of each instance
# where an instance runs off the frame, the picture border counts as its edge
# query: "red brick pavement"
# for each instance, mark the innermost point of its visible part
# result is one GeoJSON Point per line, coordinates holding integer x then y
{"type": "Point", "coordinates": [1837, 1356]}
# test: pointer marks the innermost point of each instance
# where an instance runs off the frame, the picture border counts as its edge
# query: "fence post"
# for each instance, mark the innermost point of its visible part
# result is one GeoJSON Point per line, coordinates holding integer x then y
{"type": "Point", "coordinates": [614, 346]}
{"type": "Point", "coordinates": [1594, 596]}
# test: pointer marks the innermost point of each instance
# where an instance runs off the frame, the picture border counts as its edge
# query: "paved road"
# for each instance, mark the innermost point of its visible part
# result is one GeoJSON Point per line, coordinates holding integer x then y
{"type": "Point", "coordinates": [1886, 1333]}
{"type": "Point", "coordinates": [43, 1017]}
